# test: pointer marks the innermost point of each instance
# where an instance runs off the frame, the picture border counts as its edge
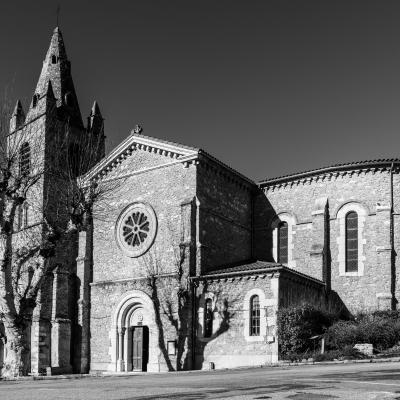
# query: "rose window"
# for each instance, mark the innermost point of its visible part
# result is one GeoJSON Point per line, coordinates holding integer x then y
{"type": "Point", "coordinates": [136, 229]}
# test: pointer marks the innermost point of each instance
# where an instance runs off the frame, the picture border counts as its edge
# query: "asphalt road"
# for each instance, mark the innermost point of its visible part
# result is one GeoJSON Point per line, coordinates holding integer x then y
{"type": "Point", "coordinates": [378, 381]}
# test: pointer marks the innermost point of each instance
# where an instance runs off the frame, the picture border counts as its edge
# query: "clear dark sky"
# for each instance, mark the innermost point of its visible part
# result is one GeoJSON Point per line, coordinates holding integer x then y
{"type": "Point", "coordinates": [269, 87]}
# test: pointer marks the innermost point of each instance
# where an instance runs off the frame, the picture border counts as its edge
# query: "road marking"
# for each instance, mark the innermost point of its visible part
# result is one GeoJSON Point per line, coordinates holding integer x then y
{"type": "Point", "coordinates": [342, 381]}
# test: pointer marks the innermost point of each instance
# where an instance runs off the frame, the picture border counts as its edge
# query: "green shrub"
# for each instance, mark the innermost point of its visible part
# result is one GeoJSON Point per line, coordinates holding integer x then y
{"type": "Point", "coordinates": [380, 329]}
{"type": "Point", "coordinates": [296, 325]}
{"type": "Point", "coordinates": [347, 353]}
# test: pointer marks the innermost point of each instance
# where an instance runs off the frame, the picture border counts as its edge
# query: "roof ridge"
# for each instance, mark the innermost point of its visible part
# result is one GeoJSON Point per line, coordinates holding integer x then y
{"type": "Point", "coordinates": [348, 165]}
{"type": "Point", "coordinates": [140, 135]}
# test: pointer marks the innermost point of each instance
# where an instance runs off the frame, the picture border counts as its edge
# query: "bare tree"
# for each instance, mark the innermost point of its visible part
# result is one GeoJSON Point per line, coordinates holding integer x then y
{"type": "Point", "coordinates": [174, 301]}
{"type": "Point", "coordinates": [43, 204]}
{"type": "Point", "coordinates": [169, 291]}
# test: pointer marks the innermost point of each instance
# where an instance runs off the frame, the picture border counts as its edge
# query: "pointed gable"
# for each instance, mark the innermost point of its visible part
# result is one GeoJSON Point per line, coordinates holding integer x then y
{"type": "Point", "coordinates": [139, 153]}
{"type": "Point", "coordinates": [17, 117]}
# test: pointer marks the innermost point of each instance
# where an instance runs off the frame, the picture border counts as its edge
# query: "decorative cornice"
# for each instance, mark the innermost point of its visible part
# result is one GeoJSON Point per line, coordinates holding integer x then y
{"type": "Point", "coordinates": [332, 172]}
{"type": "Point", "coordinates": [176, 152]}
{"type": "Point", "coordinates": [275, 271]}
{"type": "Point", "coordinates": [133, 143]}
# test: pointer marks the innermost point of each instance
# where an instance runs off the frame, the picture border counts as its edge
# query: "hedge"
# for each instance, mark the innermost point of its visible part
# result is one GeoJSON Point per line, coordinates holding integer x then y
{"type": "Point", "coordinates": [382, 329]}
{"type": "Point", "coordinates": [296, 325]}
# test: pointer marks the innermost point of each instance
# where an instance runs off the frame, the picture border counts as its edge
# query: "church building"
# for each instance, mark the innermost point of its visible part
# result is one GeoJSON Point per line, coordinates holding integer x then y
{"type": "Point", "coordinates": [187, 260]}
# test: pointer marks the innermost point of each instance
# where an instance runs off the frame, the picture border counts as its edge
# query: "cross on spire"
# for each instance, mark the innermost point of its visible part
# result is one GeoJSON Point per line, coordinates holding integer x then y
{"type": "Point", "coordinates": [58, 15]}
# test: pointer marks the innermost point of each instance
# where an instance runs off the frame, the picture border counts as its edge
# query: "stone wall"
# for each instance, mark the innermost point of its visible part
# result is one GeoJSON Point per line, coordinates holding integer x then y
{"type": "Point", "coordinates": [366, 192]}
{"type": "Point", "coordinates": [170, 191]}
{"type": "Point", "coordinates": [164, 189]}
{"type": "Point", "coordinates": [167, 317]}
{"type": "Point", "coordinates": [225, 216]}
{"type": "Point", "coordinates": [230, 343]}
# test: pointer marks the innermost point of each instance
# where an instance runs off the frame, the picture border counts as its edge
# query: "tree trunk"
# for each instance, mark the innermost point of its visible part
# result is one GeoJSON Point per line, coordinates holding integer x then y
{"type": "Point", "coordinates": [16, 360]}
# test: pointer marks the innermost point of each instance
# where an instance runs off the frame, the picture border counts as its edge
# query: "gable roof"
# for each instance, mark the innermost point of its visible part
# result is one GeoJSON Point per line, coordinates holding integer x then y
{"type": "Point", "coordinates": [176, 151]}
{"type": "Point", "coordinates": [124, 149]}
{"type": "Point", "coordinates": [253, 267]}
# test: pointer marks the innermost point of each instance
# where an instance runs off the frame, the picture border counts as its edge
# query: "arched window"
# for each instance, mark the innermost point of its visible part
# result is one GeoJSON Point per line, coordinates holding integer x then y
{"type": "Point", "coordinates": [255, 316]}
{"type": "Point", "coordinates": [35, 99]}
{"type": "Point", "coordinates": [351, 241]}
{"type": "Point", "coordinates": [54, 59]}
{"type": "Point", "coordinates": [25, 159]}
{"type": "Point", "coordinates": [283, 242]}
{"type": "Point", "coordinates": [208, 318]}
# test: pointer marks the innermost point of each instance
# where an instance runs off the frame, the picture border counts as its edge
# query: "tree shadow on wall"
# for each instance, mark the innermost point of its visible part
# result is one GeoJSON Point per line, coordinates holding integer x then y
{"type": "Point", "coordinates": [178, 311]}
{"type": "Point", "coordinates": [155, 297]}
{"type": "Point", "coordinates": [225, 316]}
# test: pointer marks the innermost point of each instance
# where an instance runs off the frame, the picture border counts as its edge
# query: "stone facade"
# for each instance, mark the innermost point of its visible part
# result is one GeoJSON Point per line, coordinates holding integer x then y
{"type": "Point", "coordinates": [371, 190]}
{"type": "Point", "coordinates": [178, 268]}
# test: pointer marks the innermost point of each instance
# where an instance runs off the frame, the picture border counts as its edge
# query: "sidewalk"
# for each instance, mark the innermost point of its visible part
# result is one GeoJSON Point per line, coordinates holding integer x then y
{"type": "Point", "coordinates": [107, 374]}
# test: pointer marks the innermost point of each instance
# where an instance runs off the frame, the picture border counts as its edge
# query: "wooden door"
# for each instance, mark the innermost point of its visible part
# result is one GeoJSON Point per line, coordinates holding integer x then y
{"type": "Point", "coordinates": [139, 348]}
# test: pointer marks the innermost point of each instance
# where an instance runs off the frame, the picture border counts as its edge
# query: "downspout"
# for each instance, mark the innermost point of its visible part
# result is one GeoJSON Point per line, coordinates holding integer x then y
{"type": "Point", "coordinates": [392, 249]}
{"type": "Point", "coordinates": [194, 320]}
{"type": "Point", "coordinates": [252, 225]}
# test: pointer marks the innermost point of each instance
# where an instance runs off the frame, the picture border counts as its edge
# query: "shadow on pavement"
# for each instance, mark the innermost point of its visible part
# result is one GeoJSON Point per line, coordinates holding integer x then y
{"type": "Point", "coordinates": [262, 391]}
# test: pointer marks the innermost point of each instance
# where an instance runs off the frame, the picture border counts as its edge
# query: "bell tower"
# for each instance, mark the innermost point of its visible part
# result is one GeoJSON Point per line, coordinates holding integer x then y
{"type": "Point", "coordinates": [56, 137]}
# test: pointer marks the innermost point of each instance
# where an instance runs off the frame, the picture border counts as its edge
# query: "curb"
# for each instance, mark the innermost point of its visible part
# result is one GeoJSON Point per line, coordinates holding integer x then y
{"type": "Point", "coordinates": [364, 361]}
{"type": "Point", "coordinates": [127, 374]}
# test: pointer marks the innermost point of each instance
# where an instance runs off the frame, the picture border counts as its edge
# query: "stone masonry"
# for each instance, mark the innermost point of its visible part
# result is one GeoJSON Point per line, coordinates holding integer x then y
{"type": "Point", "coordinates": [178, 268]}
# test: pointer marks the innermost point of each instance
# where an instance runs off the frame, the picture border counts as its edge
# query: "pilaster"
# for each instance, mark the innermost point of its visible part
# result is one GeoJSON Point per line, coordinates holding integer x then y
{"type": "Point", "coordinates": [318, 238]}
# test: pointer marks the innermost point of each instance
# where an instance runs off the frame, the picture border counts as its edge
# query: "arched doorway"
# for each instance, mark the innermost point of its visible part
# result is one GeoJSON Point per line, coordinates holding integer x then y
{"type": "Point", "coordinates": [139, 348]}
{"type": "Point", "coordinates": [134, 335]}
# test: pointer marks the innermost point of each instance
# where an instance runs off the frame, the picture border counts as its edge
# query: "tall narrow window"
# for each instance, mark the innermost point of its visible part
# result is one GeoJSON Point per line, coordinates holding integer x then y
{"type": "Point", "coordinates": [351, 241]}
{"type": "Point", "coordinates": [24, 159]}
{"type": "Point", "coordinates": [283, 243]}
{"type": "Point", "coordinates": [255, 316]}
{"type": "Point", "coordinates": [54, 59]}
{"type": "Point", "coordinates": [208, 318]}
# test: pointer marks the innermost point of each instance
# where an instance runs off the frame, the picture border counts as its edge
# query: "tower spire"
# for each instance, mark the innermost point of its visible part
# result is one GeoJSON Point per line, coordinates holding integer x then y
{"type": "Point", "coordinates": [57, 69]}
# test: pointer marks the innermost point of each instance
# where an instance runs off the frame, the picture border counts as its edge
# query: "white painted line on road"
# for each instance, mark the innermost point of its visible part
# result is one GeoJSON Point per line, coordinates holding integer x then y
{"type": "Point", "coordinates": [342, 381]}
